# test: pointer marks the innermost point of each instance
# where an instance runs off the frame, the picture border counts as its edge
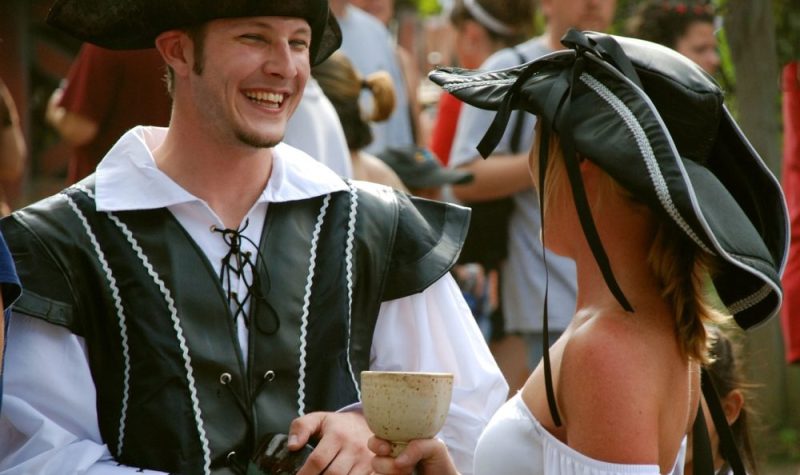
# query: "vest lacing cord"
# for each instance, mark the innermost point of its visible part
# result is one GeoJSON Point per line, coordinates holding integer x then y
{"type": "Point", "coordinates": [241, 265]}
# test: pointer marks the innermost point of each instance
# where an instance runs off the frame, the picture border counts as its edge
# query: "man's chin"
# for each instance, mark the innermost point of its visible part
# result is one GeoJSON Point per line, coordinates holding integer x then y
{"type": "Point", "coordinates": [258, 141]}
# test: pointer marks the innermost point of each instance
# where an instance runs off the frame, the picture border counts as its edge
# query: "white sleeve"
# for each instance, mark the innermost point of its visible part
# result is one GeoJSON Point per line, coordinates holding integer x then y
{"type": "Point", "coordinates": [48, 424]}
{"type": "Point", "coordinates": [435, 331]}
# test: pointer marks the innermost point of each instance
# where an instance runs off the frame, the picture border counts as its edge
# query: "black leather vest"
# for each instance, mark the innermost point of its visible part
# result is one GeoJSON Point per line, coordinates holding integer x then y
{"type": "Point", "coordinates": [173, 392]}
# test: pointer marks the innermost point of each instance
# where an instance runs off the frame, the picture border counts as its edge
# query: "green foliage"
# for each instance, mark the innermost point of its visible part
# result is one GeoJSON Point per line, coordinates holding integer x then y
{"type": "Point", "coordinates": [785, 12]}
{"type": "Point", "coordinates": [787, 29]}
{"type": "Point", "coordinates": [428, 7]}
{"type": "Point", "coordinates": [789, 441]}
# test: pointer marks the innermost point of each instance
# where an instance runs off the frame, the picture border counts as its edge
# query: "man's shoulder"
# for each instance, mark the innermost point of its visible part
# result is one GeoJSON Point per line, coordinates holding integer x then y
{"type": "Point", "coordinates": [56, 215]}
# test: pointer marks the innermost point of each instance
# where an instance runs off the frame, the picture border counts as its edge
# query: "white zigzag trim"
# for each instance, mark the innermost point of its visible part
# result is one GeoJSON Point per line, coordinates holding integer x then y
{"type": "Point", "coordinates": [750, 300]}
{"type": "Point", "coordinates": [187, 361]}
{"type": "Point", "coordinates": [306, 304]}
{"type": "Point", "coordinates": [463, 84]}
{"type": "Point", "coordinates": [662, 191]}
{"type": "Point", "coordinates": [123, 327]}
{"type": "Point", "coordinates": [351, 232]}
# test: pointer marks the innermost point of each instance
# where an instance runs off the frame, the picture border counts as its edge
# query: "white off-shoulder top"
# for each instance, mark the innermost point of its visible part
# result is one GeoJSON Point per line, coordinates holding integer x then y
{"type": "Point", "coordinates": [515, 443]}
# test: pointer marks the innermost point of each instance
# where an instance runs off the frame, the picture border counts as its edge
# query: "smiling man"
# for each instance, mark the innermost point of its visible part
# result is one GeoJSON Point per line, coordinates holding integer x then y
{"type": "Point", "coordinates": [209, 286]}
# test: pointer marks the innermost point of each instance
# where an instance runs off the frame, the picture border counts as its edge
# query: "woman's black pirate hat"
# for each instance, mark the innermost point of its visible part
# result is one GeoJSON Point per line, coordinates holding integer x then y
{"type": "Point", "coordinates": [656, 123]}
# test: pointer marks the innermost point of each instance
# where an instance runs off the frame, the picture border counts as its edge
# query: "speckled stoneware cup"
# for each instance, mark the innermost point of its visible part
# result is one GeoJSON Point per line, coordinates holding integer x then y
{"type": "Point", "coordinates": [401, 406]}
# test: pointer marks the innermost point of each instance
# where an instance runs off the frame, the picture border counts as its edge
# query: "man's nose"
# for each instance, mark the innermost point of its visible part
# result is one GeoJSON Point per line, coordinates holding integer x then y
{"type": "Point", "coordinates": [281, 61]}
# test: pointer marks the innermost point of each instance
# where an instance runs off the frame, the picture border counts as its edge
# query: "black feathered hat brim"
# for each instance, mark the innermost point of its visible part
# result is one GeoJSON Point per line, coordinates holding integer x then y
{"type": "Point", "coordinates": [135, 24]}
{"type": "Point", "coordinates": [658, 126]}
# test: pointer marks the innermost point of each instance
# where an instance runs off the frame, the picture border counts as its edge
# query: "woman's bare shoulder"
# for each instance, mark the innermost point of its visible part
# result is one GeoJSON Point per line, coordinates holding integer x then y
{"type": "Point", "coordinates": [610, 389]}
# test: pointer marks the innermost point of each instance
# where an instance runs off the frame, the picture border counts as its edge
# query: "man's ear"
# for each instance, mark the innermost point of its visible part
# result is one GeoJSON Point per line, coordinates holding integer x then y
{"type": "Point", "coordinates": [732, 405]}
{"type": "Point", "coordinates": [177, 50]}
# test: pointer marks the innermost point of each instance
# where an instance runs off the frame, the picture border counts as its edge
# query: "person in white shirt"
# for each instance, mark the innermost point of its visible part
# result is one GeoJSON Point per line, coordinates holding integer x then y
{"type": "Point", "coordinates": [370, 46]}
{"type": "Point", "coordinates": [209, 286]}
{"type": "Point", "coordinates": [315, 129]}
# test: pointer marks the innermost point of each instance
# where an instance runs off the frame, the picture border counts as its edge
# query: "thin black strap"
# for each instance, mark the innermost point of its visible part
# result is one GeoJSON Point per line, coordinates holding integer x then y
{"type": "Point", "coordinates": [544, 155]}
{"type": "Point", "coordinates": [605, 47]}
{"type": "Point", "coordinates": [727, 444]}
{"type": "Point", "coordinates": [702, 460]}
{"type": "Point", "coordinates": [516, 132]}
{"type": "Point", "coordinates": [500, 122]}
{"type": "Point", "coordinates": [581, 202]}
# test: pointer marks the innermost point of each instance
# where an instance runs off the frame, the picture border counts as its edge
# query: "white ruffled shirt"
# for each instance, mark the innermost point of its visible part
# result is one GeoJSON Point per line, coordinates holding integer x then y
{"type": "Point", "coordinates": [49, 422]}
{"type": "Point", "coordinates": [516, 443]}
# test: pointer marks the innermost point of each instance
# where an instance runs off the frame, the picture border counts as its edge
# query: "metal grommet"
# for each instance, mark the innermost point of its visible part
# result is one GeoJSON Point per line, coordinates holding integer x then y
{"type": "Point", "coordinates": [225, 378]}
{"type": "Point", "coordinates": [269, 375]}
{"type": "Point", "coordinates": [213, 228]}
{"type": "Point", "coordinates": [230, 456]}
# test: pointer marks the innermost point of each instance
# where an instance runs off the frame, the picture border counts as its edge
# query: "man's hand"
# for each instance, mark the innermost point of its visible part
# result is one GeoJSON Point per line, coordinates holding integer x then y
{"type": "Point", "coordinates": [342, 448]}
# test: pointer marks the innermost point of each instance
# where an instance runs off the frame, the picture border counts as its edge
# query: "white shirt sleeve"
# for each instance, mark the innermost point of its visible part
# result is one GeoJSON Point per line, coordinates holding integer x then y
{"type": "Point", "coordinates": [48, 424]}
{"type": "Point", "coordinates": [434, 331]}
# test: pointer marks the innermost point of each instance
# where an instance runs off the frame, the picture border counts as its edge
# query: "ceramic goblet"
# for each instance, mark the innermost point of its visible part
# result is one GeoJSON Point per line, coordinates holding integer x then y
{"type": "Point", "coordinates": [402, 406]}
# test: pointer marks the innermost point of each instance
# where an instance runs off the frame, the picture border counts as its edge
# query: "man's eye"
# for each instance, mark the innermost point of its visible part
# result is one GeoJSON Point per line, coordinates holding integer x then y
{"type": "Point", "coordinates": [299, 44]}
{"type": "Point", "coordinates": [252, 37]}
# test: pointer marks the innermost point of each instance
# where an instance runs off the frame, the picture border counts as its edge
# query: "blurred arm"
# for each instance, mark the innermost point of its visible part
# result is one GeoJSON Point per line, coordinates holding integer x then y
{"type": "Point", "coordinates": [74, 128]}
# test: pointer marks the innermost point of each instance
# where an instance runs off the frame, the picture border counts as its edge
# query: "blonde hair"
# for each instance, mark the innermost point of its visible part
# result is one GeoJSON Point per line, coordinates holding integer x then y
{"type": "Point", "coordinates": [684, 272]}
{"type": "Point", "coordinates": [682, 269]}
{"type": "Point", "coordinates": [342, 84]}
{"type": "Point", "coordinates": [382, 88]}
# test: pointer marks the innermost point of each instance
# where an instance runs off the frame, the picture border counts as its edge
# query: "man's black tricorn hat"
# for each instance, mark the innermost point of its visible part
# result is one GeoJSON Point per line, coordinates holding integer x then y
{"type": "Point", "coordinates": [656, 123]}
{"type": "Point", "coordinates": [135, 24]}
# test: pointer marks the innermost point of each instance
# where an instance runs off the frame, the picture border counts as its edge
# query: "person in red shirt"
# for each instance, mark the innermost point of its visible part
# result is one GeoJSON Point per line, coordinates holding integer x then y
{"type": "Point", "coordinates": [106, 93]}
{"type": "Point", "coordinates": [481, 28]}
{"type": "Point", "coordinates": [790, 312]}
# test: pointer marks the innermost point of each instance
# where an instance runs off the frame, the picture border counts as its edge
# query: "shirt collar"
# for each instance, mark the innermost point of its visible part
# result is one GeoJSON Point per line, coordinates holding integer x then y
{"type": "Point", "coordinates": [128, 179]}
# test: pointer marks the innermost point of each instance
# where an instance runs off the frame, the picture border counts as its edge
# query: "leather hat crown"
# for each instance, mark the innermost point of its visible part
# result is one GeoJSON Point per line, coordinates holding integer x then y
{"type": "Point", "coordinates": [135, 24]}
{"type": "Point", "coordinates": [656, 123]}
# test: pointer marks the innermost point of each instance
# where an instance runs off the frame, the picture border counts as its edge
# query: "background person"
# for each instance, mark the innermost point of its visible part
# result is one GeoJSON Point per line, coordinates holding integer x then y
{"type": "Point", "coordinates": [384, 11]}
{"type": "Point", "coordinates": [343, 85]}
{"type": "Point", "coordinates": [727, 374]}
{"type": "Point", "coordinates": [481, 27]}
{"type": "Point", "coordinates": [315, 129]}
{"type": "Point", "coordinates": [421, 171]}
{"type": "Point", "coordinates": [686, 26]}
{"type": "Point", "coordinates": [370, 47]}
{"type": "Point", "coordinates": [9, 292]}
{"type": "Point", "coordinates": [13, 150]}
{"type": "Point", "coordinates": [105, 93]}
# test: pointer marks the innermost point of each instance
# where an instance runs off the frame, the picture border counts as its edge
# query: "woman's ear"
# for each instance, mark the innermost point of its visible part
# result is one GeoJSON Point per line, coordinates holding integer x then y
{"type": "Point", "coordinates": [732, 405]}
{"type": "Point", "coordinates": [591, 173]}
{"type": "Point", "coordinates": [176, 49]}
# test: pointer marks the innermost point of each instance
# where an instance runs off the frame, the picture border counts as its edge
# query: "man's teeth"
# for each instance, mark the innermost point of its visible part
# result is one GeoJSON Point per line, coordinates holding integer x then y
{"type": "Point", "coordinates": [271, 97]}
